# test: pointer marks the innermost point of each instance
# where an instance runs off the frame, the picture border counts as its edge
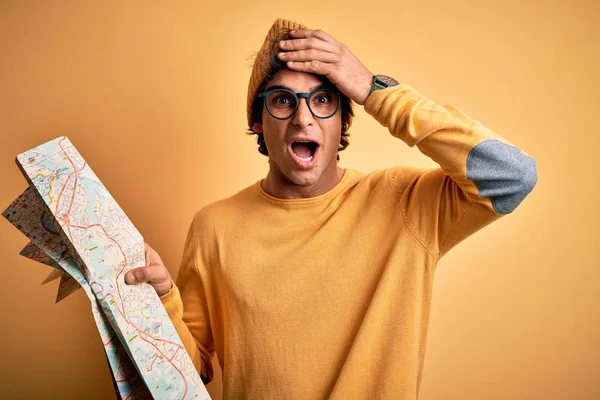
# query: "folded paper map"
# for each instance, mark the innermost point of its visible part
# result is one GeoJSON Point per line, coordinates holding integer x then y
{"type": "Point", "coordinates": [76, 227]}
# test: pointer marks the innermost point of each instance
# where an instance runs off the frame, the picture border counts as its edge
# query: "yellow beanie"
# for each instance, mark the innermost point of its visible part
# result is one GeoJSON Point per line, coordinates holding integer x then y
{"type": "Point", "coordinates": [267, 56]}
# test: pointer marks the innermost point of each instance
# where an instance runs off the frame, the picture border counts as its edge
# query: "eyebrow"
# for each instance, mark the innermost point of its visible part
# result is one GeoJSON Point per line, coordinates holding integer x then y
{"type": "Point", "coordinates": [316, 87]}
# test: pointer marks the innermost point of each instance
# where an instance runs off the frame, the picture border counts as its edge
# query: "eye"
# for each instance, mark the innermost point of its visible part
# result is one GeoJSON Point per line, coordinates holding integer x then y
{"type": "Point", "coordinates": [282, 99]}
{"type": "Point", "coordinates": [323, 97]}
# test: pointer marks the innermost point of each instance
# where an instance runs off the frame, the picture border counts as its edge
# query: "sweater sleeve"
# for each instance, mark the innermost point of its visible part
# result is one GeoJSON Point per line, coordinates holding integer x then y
{"type": "Point", "coordinates": [481, 176]}
{"type": "Point", "coordinates": [187, 308]}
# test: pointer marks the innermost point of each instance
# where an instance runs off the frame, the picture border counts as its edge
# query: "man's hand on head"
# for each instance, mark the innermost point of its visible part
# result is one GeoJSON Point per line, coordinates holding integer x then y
{"type": "Point", "coordinates": [154, 273]}
{"type": "Point", "coordinates": [316, 52]}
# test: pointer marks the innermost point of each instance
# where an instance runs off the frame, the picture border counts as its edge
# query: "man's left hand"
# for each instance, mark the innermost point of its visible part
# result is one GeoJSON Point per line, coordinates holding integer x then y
{"type": "Point", "coordinates": [314, 51]}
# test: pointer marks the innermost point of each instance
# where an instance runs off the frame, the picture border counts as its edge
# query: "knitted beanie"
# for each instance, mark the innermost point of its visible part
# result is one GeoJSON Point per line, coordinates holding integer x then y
{"type": "Point", "coordinates": [266, 58]}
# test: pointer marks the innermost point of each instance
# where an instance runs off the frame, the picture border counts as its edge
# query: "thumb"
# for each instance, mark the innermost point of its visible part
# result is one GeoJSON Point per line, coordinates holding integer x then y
{"type": "Point", "coordinates": [154, 275]}
{"type": "Point", "coordinates": [158, 276]}
{"type": "Point", "coordinates": [130, 278]}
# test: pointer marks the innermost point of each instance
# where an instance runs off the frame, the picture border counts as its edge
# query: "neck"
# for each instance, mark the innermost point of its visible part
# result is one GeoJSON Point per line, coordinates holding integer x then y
{"type": "Point", "coordinates": [277, 185]}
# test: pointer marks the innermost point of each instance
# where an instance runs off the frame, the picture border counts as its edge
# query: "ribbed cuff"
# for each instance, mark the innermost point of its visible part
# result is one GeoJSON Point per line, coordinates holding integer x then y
{"type": "Point", "coordinates": [172, 303]}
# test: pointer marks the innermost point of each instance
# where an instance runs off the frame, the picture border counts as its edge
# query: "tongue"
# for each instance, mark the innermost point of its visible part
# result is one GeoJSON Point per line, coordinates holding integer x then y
{"type": "Point", "coordinates": [303, 150]}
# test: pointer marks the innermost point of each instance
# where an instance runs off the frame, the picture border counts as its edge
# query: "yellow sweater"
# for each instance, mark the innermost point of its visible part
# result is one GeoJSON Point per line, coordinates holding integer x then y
{"type": "Point", "coordinates": [329, 297]}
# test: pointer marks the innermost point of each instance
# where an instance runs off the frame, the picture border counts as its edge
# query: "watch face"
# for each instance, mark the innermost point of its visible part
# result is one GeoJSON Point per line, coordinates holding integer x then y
{"type": "Point", "coordinates": [386, 80]}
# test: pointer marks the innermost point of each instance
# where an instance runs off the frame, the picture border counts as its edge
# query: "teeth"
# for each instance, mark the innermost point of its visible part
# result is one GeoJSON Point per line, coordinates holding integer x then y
{"type": "Point", "coordinates": [305, 158]}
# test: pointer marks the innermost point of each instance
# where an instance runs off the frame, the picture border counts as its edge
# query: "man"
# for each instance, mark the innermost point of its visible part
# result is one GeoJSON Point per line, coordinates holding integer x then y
{"type": "Point", "coordinates": [316, 281]}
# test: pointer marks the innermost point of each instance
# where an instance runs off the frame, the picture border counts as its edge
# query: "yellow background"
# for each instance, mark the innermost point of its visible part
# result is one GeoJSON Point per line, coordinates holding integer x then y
{"type": "Point", "coordinates": [153, 96]}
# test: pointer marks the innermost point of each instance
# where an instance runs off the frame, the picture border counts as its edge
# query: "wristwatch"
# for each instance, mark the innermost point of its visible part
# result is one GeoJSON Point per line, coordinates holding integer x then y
{"type": "Point", "coordinates": [382, 82]}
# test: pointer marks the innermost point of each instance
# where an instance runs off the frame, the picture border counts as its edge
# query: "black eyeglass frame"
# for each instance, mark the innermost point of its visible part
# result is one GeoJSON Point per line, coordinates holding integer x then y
{"type": "Point", "coordinates": [298, 96]}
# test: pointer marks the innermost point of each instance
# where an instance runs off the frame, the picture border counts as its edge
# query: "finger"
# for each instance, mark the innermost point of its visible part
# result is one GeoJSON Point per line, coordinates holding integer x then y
{"type": "Point", "coordinates": [308, 55]}
{"type": "Point", "coordinates": [148, 251]}
{"type": "Point", "coordinates": [318, 33]}
{"type": "Point", "coordinates": [152, 257]}
{"type": "Point", "coordinates": [307, 43]}
{"type": "Point", "coordinates": [314, 66]}
{"type": "Point", "coordinates": [149, 274]}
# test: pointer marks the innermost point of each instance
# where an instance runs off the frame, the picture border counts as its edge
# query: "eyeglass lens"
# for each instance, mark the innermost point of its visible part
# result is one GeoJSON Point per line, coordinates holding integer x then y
{"type": "Point", "coordinates": [282, 104]}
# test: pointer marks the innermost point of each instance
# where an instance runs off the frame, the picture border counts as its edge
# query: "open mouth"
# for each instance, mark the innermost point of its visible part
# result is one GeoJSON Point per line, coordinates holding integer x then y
{"type": "Point", "coordinates": [305, 150]}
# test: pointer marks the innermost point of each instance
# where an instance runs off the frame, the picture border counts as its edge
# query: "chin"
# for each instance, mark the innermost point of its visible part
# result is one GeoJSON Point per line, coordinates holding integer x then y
{"type": "Point", "coordinates": [305, 178]}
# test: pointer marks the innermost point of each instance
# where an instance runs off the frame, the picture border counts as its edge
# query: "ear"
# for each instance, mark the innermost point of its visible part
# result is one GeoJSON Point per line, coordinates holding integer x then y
{"type": "Point", "coordinates": [256, 127]}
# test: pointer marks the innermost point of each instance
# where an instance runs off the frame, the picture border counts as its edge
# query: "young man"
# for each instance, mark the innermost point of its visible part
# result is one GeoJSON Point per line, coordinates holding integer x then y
{"type": "Point", "coordinates": [316, 281]}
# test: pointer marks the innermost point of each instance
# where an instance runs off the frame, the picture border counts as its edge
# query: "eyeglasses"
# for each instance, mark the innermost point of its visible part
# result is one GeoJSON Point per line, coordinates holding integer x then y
{"type": "Point", "coordinates": [323, 103]}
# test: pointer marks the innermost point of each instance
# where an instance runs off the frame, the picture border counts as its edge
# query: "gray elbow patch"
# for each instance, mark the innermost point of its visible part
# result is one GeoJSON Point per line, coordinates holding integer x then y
{"type": "Point", "coordinates": [501, 172]}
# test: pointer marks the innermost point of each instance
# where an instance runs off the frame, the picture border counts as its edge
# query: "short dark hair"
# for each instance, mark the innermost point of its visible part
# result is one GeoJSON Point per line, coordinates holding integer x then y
{"type": "Point", "coordinates": [257, 109]}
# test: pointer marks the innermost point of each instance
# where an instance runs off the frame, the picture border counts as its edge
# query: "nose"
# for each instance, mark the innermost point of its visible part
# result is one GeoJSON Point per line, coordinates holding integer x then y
{"type": "Point", "coordinates": [303, 117]}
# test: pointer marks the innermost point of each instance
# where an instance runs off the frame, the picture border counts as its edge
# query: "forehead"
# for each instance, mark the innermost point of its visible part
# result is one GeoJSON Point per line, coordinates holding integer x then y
{"type": "Point", "coordinates": [296, 80]}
